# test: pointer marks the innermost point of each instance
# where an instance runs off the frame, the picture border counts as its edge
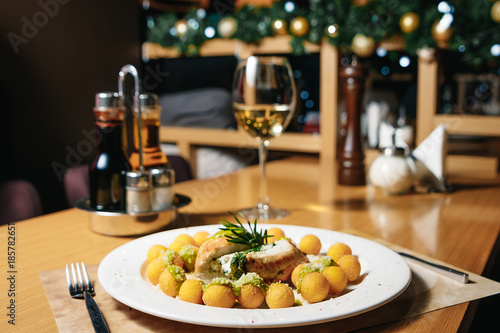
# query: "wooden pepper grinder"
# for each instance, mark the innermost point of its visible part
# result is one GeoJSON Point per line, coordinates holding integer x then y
{"type": "Point", "coordinates": [351, 156]}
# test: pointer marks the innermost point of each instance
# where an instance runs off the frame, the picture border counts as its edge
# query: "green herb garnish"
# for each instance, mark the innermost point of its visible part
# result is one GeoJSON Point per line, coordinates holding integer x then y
{"type": "Point", "coordinates": [240, 235]}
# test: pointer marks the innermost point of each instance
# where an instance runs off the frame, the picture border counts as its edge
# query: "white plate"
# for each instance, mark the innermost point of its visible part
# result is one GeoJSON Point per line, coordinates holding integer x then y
{"type": "Point", "coordinates": [384, 275]}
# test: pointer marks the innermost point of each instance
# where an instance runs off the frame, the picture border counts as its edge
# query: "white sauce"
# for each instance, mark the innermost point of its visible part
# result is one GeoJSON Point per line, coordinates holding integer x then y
{"type": "Point", "coordinates": [274, 251]}
{"type": "Point", "coordinates": [225, 262]}
{"type": "Point", "coordinates": [268, 253]}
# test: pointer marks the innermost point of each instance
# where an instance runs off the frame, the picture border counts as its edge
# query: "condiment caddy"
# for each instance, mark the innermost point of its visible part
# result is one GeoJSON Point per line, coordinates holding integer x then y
{"type": "Point", "coordinates": [129, 196]}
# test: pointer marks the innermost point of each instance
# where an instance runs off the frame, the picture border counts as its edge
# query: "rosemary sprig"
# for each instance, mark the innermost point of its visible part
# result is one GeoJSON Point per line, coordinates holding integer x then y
{"type": "Point", "coordinates": [240, 235]}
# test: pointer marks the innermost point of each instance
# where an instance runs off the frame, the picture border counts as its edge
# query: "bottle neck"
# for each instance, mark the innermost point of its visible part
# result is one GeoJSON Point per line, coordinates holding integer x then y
{"type": "Point", "coordinates": [110, 136]}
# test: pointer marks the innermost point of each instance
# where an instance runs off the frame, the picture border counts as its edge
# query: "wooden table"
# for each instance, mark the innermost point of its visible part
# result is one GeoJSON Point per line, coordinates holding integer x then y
{"type": "Point", "coordinates": [460, 228]}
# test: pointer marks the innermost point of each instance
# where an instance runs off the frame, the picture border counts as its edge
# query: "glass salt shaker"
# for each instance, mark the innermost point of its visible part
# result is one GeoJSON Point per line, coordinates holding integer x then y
{"type": "Point", "coordinates": [138, 192]}
{"type": "Point", "coordinates": [162, 194]}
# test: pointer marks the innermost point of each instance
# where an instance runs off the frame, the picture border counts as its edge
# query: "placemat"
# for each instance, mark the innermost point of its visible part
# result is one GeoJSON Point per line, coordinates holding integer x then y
{"type": "Point", "coordinates": [428, 291]}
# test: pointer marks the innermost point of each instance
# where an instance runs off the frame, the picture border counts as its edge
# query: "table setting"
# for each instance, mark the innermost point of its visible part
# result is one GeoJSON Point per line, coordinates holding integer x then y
{"type": "Point", "coordinates": [421, 291]}
{"type": "Point", "coordinates": [416, 269]}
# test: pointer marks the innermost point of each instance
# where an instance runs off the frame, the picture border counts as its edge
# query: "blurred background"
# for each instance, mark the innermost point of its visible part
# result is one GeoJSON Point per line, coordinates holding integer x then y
{"type": "Point", "coordinates": [57, 54]}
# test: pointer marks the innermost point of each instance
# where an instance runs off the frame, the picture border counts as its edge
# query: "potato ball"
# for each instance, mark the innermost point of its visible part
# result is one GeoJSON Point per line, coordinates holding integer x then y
{"type": "Point", "coordinates": [167, 283]}
{"type": "Point", "coordinates": [275, 233]}
{"type": "Point", "coordinates": [351, 266]}
{"type": "Point", "coordinates": [155, 251]}
{"type": "Point", "coordinates": [154, 270]}
{"type": "Point", "coordinates": [177, 245]}
{"type": "Point", "coordinates": [314, 287]}
{"type": "Point", "coordinates": [251, 296]}
{"type": "Point", "coordinates": [191, 291]}
{"type": "Point", "coordinates": [200, 237]}
{"type": "Point", "coordinates": [337, 279]}
{"type": "Point", "coordinates": [280, 295]}
{"type": "Point", "coordinates": [186, 238]}
{"type": "Point", "coordinates": [296, 274]}
{"type": "Point", "coordinates": [219, 295]}
{"type": "Point", "coordinates": [171, 280]}
{"type": "Point", "coordinates": [337, 250]}
{"type": "Point", "coordinates": [310, 244]}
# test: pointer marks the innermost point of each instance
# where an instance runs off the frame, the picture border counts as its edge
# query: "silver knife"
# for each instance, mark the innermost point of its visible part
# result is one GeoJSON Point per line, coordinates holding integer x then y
{"type": "Point", "coordinates": [95, 314]}
{"type": "Point", "coordinates": [447, 271]}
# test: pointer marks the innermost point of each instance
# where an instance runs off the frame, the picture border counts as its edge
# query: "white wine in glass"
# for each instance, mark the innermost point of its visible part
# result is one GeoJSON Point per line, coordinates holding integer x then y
{"type": "Point", "coordinates": [264, 99]}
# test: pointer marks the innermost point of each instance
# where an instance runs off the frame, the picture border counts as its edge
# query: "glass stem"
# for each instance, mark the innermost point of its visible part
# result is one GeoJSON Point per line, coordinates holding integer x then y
{"type": "Point", "coordinates": [263, 200]}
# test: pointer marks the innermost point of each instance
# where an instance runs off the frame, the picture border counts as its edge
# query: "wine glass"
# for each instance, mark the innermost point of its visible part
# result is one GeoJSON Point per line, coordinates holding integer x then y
{"type": "Point", "coordinates": [264, 98]}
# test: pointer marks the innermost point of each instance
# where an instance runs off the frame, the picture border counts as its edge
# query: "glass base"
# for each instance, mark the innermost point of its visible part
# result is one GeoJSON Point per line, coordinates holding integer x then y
{"type": "Point", "coordinates": [262, 214]}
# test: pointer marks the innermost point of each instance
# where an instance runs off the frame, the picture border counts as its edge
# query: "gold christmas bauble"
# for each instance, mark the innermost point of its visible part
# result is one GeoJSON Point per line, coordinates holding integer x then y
{"type": "Point", "coordinates": [495, 11]}
{"type": "Point", "coordinates": [409, 22]}
{"type": "Point", "coordinates": [359, 3]}
{"type": "Point", "coordinates": [299, 26]}
{"type": "Point", "coordinates": [279, 27]}
{"type": "Point", "coordinates": [181, 26]}
{"type": "Point", "coordinates": [441, 34]}
{"type": "Point", "coordinates": [363, 46]}
{"type": "Point", "coordinates": [227, 27]}
{"type": "Point", "coordinates": [332, 30]}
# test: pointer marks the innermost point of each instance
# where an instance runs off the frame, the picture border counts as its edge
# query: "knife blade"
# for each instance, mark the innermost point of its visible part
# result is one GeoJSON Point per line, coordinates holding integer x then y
{"type": "Point", "coordinates": [447, 271]}
{"type": "Point", "coordinates": [95, 315]}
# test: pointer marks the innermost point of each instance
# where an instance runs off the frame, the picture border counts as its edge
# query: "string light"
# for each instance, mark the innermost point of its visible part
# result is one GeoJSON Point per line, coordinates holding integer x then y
{"type": "Point", "coordinates": [332, 29]}
{"type": "Point", "coordinates": [444, 7]}
{"type": "Point", "coordinates": [193, 24]}
{"type": "Point", "coordinates": [289, 7]}
{"type": "Point", "coordinates": [201, 13]}
{"type": "Point", "coordinates": [210, 32]}
{"type": "Point", "coordinates": [404, 61]}
{"type": "Point", "coordinates": [495, 50]}
{"type": "Point", "coordinates": [150, 22]}
{"type": "Point", "coordinates": [381, 52]}
{"type": "Point", "coordinates": [445, 22]}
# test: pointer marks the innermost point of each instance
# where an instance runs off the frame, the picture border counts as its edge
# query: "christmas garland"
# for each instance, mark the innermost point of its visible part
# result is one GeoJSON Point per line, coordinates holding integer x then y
{"type": "Point", "coordinates": [469, 27]}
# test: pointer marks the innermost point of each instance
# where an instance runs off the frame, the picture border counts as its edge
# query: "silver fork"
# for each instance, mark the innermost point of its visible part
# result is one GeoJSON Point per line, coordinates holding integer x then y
{"type": "Point", "coordinates": [82, 288]}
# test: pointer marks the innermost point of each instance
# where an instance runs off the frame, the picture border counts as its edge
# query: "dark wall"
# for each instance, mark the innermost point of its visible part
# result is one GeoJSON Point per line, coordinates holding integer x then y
{"type": "Point", "coordinates": [54, 56]}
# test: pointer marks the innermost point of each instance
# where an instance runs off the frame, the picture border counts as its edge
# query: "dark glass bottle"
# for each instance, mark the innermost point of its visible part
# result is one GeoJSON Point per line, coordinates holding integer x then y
{"type": "Point", "coordinates": [107, 171]}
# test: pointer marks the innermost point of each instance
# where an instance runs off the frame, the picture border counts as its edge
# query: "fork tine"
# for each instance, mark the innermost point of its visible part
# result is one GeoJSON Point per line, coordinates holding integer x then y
{"type": "Point", "coordinates": [90, 288]}
{"type": "Point", "coordinates": [79, 274]}
{"type": "Point", "coordinates": [76, 285]}
{"type": "Point", "coordinates": [68, 280]}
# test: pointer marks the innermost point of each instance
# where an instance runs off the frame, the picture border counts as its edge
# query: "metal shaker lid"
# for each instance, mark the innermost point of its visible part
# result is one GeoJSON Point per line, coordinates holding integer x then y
{"type": "Point", "coordinates": [393, 151]}
{"type": "Point", "coordinates": [148, 100]}
{"type": "Point", "coordinates": [139, 179]}
{"type": "Point", "coordinates": [108, 100]}
{"type": "Point", "coordinates": [162, 176]}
